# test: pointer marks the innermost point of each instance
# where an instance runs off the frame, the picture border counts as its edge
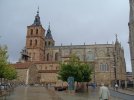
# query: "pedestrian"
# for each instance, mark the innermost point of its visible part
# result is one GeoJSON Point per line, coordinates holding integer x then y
{"type": "Point", "coordinates": [104, 93]}
{"type": "Point", "coordinates": [122, 85]}
{"type": "Point", "coordinates": [116, 87]}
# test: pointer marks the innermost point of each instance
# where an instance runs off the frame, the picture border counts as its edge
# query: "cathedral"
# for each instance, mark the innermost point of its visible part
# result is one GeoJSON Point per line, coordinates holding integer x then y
{"type": "Point", "coordinates": [40, 58]}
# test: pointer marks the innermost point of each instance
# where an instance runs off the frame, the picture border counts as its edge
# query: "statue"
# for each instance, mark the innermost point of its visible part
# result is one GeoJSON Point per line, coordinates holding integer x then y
{"type": "Point", "coordinates": [24, 55]}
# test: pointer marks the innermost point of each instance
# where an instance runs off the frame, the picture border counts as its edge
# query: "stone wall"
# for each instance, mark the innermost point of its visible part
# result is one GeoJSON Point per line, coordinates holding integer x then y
{"type": "Point", "coordinates": [21, 75]}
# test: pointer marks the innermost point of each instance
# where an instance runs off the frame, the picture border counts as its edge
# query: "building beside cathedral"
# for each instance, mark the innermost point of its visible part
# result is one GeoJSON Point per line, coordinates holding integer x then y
{"type": "Point", "coordinates": [41, 51]}
{"type": "Point", "coordinates": [131, 33]}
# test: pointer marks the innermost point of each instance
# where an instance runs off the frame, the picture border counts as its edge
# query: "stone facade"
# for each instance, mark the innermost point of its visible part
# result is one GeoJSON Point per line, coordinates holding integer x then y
{"type": "Point", "coordinates": [42, 51]}
{"type": "Point", "coordinates": [100, 55]}
{"type": "Point", "coordinates": [27, 73]}
{"type": "Point", "coordinates": [131, 33]}
{"type": "Point", "coordinates": [48, 71]}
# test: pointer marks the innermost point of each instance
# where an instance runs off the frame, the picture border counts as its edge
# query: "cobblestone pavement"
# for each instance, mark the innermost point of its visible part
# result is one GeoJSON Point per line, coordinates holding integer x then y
{"type": "Point", "coordinates": [125, 94]}
{"type": "Point", "coordinates": [41, 93]}
{"type": "Point", "coordinates": [28, 93]}
{"type": "Point", "coordinates": [91, 95]}
{"type": "Point", "coordinates": [126, 91]}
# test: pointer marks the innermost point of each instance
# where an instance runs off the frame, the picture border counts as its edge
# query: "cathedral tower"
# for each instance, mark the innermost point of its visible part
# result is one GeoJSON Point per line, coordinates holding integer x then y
{"type": "Point", "coordinates": [131, 33]}
{"type": "Point", "coordinates": [49, 39]}
{"type": "Point", "coordinates": [35, 40]}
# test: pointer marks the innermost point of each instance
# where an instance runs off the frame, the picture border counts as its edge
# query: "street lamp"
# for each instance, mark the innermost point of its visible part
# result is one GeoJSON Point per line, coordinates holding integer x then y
{"type": "Point", "coordinates": [115, 76]}
{"type": "Point", "coordinates": [115, 73]}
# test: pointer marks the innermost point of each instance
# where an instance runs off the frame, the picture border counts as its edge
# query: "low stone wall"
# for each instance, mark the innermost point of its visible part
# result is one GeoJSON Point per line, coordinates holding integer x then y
{"type": "Point", "coordinates": [6, 91]}
{"type": "Point", "coordinates": [3, 92]}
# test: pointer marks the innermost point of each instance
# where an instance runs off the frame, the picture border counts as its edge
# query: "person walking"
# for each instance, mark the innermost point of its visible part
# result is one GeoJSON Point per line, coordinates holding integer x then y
{"type": "Point", "coordinates": [104, 93]}
{"type": "Point", "coordinates": [116, 87]}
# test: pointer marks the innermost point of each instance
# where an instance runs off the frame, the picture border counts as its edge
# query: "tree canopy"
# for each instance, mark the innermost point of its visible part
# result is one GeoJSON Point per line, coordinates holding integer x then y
{"type": "Point", "coordinates": [10, 73]}
{"type": "Point", "coordinates": [6, 71]}
{"type": "Point", "coordinates": [74, 68]}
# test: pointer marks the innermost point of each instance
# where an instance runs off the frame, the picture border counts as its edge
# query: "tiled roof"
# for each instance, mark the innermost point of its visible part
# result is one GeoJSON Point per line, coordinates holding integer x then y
{"type": "Point", "coordinates": [48, 71]}
{"type": "Point", "coordinates": [46, 62]}
{"type": "Point", "coordinates": [22, 65]}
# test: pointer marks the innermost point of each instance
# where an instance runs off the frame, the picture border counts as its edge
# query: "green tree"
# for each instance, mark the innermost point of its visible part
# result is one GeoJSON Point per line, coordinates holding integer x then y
{"type": "Point", "coordinates": [80, 71]}
{"type": "Point", "coordinates": [10, 73]}
{"type": "Point", "coordinates": [3, 60]}
{"type": "Point", "coordinates": [85, 71]}
{"type": "Point", "coordinates": [6, 71]}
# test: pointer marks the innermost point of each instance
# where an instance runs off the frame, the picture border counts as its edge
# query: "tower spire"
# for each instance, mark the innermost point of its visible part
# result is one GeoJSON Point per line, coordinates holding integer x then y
{"type": "Point", "coordinates": [38, 10]}
{"type": "Point", "coordinates": [37, 19]}
{"type": "Point", "coordinates": [49, 38]}
{"type": "Point", "coordinates": [49, 26]}
{"type": "Point", "coordinates": [116, 37]}
{"type": "Point", "coordinates": [49, 35]}
{"type": "Point", "coordinates": [116, 41]}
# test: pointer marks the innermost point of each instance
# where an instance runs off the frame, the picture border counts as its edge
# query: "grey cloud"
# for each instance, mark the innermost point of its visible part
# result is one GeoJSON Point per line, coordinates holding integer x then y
{"type": "Point", "coordinates": [72, 21]}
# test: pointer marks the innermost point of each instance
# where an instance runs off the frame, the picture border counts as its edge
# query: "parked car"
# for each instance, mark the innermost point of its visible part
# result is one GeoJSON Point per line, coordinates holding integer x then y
{"type": "Point", "coordinates": [92, 85]}
{"type": "Point", "coordinates": [2, 87]}
{"type": "Point", "coordinates": [5, 86]}
{"type": "Point", "coordinates": [60, 86]}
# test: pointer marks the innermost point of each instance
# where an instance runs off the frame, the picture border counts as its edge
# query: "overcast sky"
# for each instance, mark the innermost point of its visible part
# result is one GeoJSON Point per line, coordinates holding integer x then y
{"type": "Point", "coordinates": [72, 21]}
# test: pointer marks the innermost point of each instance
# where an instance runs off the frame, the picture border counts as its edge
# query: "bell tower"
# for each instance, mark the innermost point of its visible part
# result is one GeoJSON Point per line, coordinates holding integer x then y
{"type": "Point", "coordinates": [35, 40]}
{"type": "Point", "coordinates": [49, 41]}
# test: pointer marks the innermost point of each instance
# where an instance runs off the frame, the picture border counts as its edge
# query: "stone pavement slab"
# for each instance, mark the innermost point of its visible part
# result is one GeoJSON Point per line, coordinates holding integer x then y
{"type": "Point", "coordinates": [28, 93]}
{"type": "Point", "coordinates": [126, 91]}
{"type": "Point", "coordinates": [42, 93]}
{"type": "Point", "coordinates": [91, 95]}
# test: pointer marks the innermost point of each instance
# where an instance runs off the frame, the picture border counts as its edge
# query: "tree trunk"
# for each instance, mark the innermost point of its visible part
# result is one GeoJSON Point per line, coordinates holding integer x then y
{"type": "Point", "coordinates": [81, 87]}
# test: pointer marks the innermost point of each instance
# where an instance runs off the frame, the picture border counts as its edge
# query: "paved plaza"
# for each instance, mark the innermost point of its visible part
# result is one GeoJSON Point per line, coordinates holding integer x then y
{"type": "Point", "coordinates": [92, 94]}
{"type": "Point", "coordinates": [42, 93]}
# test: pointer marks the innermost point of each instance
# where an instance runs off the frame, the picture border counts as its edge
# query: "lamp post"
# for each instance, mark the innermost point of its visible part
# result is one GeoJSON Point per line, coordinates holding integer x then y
{"type": "Point", "coordinates": [115, 73]}
{"type": "Point", "coordinates": [115, 76]}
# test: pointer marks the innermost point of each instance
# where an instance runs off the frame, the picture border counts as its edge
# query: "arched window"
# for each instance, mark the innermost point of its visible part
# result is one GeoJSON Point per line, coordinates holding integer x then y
{"type": "Point", "coordinates": [30, 42]}
{"type": "Point", "coordinates": [107, 67]}
{"type": "Point", "coordinates": [56, 56]}
{"type": "Point", "coordinates": [48, 57]}
{"type": "Point", "coordinates": [104, 67]}
{"type": "Point", "coordinates": [101, 67]}
{"type": "Point", "coordinates": [49, 43]}
{"type": "Point", "coordinates": [90, 56]}
{"type": "Point", "coordinates": [79, 56]}
{"type": "Point", "coordinates": [35, 42]}
{"type": "Point", "coordinates": [31, 32]}
{"type": "Point", "coordinates": [45, 43]}
{"type": "Point", "coordinates": [36, 31]}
